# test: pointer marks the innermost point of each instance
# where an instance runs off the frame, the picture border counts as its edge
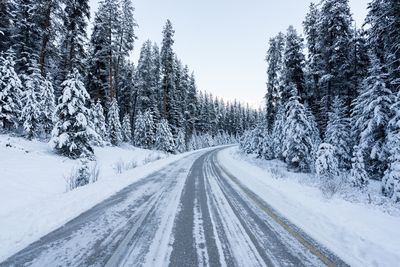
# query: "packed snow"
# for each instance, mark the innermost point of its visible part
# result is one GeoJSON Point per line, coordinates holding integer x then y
{"type": "Point", "coordinates": [33, 186]}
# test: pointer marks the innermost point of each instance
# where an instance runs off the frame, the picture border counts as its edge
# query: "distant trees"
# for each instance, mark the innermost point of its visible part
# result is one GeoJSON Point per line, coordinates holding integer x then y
{"type": "Point", "coordinates": [55, 83]}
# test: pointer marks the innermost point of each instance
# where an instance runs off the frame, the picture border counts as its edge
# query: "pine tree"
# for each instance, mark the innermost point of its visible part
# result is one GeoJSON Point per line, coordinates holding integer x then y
{"type": "Point", "coordinates": [26, 34]}
{"type": "Point", "coordinates": [156, 81]}
{"type": "Point", "coordinates": [326, 166]}
{"type": "Point", "coordinates": [7, 8]}
{"type": "Point", "coordinates": [99, 121]}
{"type": "Point", "coordinates": [164, 140]}
{"type": "Point", "coordinates": [114, 124]}
{"type": "Point", "coordinates": [144, 130]}
{"type": "Point", "coordinates": [167, 70]}
{"type": "Point", "coordinates": [47, 105]}
{"type": "Point", "coordinates": [31, 113]}
{"type": "Point", "coordinates": [125, 37]}
{"type": "Point", "coordinates": [48, 23]}
{"type": "Point", "coordinates": [192, 108]}
{"type": "Point", "coordinates": [10, 94]}
{"type": "Point", "coordinates": [126, 129]}
{"type": "Point", "coordinates": [71, 134]}
{"type": "Point", "coordinates": [327, 169]}
{"type": "Point", "coordinates": [374, 102]}
{"type": "Point", "coordinates": [180, 142]}
{"type": "Point", "coordinates": [274, 60]}
{"type": "Point", "coordinates": [278, 136]}
{"type": "Point", "coordinates": [74, 24]}
{"type": "Point", "coordinates": [145, 84]}
{"type": "Point", "coordinates": [267, 146]}
{"type": "Point", "coordinates": [298, 146]}
{"type": "Point", "coordinates": [334, 47]}
{"type": "Point", "coordinates": [293, 65]}
{"type": "Point", "coordinates": [391, 178]}
{"type": "Point", "coordinates": [383, 22]}
{"type": "Point", "coordinates": [104, 49]}
{"type": "Point", "coordinates": [338, 133]}
{"type": "Point", "coordinates": [126, 89]}
{"type": "Point", "coordinates": [314, 60]}
{"type": "Point", "coordinates": [359, 176]}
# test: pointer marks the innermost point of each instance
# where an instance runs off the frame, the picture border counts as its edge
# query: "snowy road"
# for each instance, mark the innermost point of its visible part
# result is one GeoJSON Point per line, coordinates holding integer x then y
{"type": "Point", "coordinates": [192, 213]}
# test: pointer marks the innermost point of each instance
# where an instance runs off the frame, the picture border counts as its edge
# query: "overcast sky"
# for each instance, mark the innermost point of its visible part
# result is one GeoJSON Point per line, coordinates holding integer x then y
{"type": "Point", "coordinates": [225, 41]}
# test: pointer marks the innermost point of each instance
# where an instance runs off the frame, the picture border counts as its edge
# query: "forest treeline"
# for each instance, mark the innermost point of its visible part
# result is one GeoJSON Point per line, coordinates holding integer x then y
{"type": "Point", "coordinates": [57, 82]}
{"type": "Point", "coordinates": [333, 100]}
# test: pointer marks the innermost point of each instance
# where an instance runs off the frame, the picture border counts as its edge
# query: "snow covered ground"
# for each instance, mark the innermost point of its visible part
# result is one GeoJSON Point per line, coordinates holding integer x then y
{"type": "Point", "coordinates": [360, 233]}
{"type": "Point", "coordinates": [33, 186]}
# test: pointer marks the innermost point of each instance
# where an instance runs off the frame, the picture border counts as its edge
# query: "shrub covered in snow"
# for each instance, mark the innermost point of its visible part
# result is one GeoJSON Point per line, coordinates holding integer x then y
{"type": "Point", "coordinates": [82, 175]}
{"type": "Point", "coordinates": [327, 169]}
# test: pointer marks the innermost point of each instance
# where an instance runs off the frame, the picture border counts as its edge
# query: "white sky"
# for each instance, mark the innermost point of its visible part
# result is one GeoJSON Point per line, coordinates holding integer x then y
{"type": "Point", "coordinates": [225, 41]}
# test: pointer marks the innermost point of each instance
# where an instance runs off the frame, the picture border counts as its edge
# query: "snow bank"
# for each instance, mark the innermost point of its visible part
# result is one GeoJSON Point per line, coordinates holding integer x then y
{"type": "Point", "coordinates": [33, 193]}
{"type": "Point", "coordinates": [358, 233]}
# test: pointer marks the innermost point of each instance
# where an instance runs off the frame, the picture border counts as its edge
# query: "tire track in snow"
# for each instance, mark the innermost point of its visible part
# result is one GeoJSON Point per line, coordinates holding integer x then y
{"type": "Point", "coordinates": [242, 249]}
{"type": "Point", "coordinates": [194, 240]}
{"type": "Point", "coordinates": [293, 233]}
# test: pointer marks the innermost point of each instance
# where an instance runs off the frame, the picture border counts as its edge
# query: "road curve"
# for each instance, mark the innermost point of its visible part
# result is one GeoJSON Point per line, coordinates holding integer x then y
{"type": "Point", "coordinates": [194, 212]}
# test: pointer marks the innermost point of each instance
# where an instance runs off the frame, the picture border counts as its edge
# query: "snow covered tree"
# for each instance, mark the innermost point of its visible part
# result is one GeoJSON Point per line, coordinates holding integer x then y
{"type": "Point", "coordinates": [126, 87]}
{"type": "Point", "coordinates": [99, 121]}
{"type": "Point", "coordinates": [146, 84]}
{"type": "Point", "coordinates": [359, 177]}
{"type": "Point", "coordinates": [274, 60]}
{"type": "Point", "coordinates": [374, 102]}
{"type": "Point", "coordinates": [31, 113]}
{"type": "Point", "coordinates": [334, 48]}
{"type": "Point", "coordinates": [180, 142]}
{"type": "Point", "coordinates": [338, 133]}
{"type": "Point", "coordinates": [49, 23]}
{"type": "Point", "coordinates": [26, 34]}
{"type": "Point", "coordinates": [293, 65]}
{"type": "Point", "coordinates": [73, 37]}
{"type": "Point", "coordinates": [314, 61]}
{"type": "Point", "coordinates": [278, 136]}
{"type": "Point", "coordinates": [125, 38]}
{"type": "Point", "coordinates": [7, 8]}
{"type": "Point", "coordinates": [144, 130]}
{"type": "Point", "coordinates": [82, 175]}
{"type": "Point", "coordinates": [383, 23]}
{"type": "Point", "coordinates": [167, 70]}
{"type": "Point", "coordinates": [47, 105]}
{"type": "Point", "coordinates": [71, 134]}
{"type": "Point", "coordinates": [10, 94]}
{"type": "Point", "coordinates": [266, 144]}
{"type": "Point", "coordinates": [127, 129]}
{"type": "Point", "coordinates": [104, 44]}
{"type": "Point", "coordinates": [298, 146]}
{"type": "Point", "coordinates": [327, 169]}
{"type": "Point", "coordinates": [114, 124]}
{"type": "Point", "coordinates": [164, 140]}
{"type": "Point", "coordinates": [192, 108]}
{"type": "Point", "coordinates": [326, 165]}
{"type": "Point", "coordinates": [391, 178]}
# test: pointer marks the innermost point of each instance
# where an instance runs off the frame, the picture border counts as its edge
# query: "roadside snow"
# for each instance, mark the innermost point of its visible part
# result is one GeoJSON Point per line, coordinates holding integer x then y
{"type": "Point", "coordinates": [359, 233]}
{"type": "Point", "coordinates": [33, 193]}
